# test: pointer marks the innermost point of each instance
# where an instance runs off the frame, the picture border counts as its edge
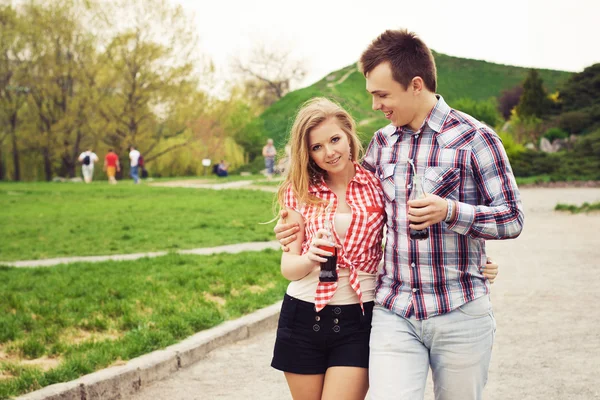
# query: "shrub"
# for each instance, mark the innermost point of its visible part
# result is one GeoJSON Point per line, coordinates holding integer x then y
{"type": "Point", "coordinates": [574, 121]}
{"type": "Point", "coordinates": [485, 111]}
{"type": "Point", "coordinates": [555, 133]}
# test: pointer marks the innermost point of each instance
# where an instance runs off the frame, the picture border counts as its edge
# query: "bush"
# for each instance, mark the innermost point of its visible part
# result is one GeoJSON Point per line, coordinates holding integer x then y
{"type": "Point", "coordinates": [555, 133]}
{"type": "Point", "coordinates": [574, 121]}
{"type": "Point", "coordinates": [485, 111]}
{"type": "Point", "coordinates": [532, 163]}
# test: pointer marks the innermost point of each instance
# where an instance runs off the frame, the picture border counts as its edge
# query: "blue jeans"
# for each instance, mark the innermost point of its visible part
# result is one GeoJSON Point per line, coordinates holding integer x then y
{"type": "Point", "coordinates": [457, 346]}
{"type": "Point", "coordinates": [134, 174]}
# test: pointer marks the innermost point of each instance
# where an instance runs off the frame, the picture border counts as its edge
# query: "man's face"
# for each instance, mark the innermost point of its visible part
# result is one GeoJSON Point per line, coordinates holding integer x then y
{"type": "Point", "coordinates": [398, 104]}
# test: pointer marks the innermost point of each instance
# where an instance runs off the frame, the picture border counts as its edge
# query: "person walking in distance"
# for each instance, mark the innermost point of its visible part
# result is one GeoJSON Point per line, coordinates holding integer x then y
{"type": "Point", "coordinates": [134, 157]}
{"type": "Point", "coordinates": [111, 166]}
{"type": "Point", "coordinates": [269, 152]}
{"type": "Point", "coordinates": [87, 159]}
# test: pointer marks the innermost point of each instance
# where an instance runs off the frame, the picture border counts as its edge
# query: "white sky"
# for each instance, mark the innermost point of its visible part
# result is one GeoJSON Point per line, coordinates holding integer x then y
{"type": "Point", "coordinates": [330, 34]}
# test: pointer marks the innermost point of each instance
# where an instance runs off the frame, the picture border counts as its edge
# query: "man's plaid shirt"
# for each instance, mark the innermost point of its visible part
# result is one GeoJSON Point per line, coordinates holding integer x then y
{"type": "Point", "coordinates": [458, 158]}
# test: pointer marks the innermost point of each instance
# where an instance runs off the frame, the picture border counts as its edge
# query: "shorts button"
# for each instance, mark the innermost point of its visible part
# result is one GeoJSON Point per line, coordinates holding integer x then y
{"type": "Point", "coordinates": [335, 321]}
{"type": "Point", "coordinates": [316, 328]}
{"type": "Point", "coordinates": [317, 318]}
{"type": "Point", "coordinates": [337, 311]}
{"type": "Point", "coordinates": [336, 328]}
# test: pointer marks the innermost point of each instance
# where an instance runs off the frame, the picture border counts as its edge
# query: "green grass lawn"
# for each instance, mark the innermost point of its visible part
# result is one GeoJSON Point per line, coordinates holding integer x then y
{"type": "Point", "coordinates": [45, 220]}
{"type": "Point", "coordinates": [82, 317]}
{"type": "Point", "coordinates": [585, 207]}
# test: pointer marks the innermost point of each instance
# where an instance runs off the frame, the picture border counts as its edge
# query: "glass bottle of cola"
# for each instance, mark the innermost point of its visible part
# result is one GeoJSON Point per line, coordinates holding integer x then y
{"type": "Point", "coordinates": [417, 193]}
{"type": "Point", "coordinates": [329, 268]}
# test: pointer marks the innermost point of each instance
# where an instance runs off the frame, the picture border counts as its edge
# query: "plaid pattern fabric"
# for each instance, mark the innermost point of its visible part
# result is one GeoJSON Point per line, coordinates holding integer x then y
{"type": "Point", "coordinates": [458, 158]}
{"type": "Point", "coordinates": [361, 249]}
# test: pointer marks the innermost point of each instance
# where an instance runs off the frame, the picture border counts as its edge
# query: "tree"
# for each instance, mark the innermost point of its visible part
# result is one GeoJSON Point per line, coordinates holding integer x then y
{"type": "Point", "coordinates": [534, 101]}
{"type": "Point", "coordinates": [268, 74]}
{"type": "Point", "coordinates": [13, 94]}
{"type": "Point", "coordinates": [509, 100]}
{"type": "Point", "coordinates": [154, 91]}
{"type": "Point", "coordinates": [582, 90]}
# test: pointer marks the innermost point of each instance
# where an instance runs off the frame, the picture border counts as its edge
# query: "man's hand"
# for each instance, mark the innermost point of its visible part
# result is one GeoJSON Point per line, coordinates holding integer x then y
{"type": "Point", "coordinates": [285, 233]}
{"type": "Point", "coordinates": [423, 213]}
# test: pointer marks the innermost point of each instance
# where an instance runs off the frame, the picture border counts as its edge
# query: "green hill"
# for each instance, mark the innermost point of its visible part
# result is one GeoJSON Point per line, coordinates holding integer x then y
{"type": "Point", "coordinates": [457, 78]}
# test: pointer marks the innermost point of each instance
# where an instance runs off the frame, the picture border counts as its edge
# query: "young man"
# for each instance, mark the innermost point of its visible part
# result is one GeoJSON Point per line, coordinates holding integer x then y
{"type": "Point", "coordinates": [87, 159]}
{"type": "Point", "coordinates": [111, 166]}
{"type": "Point", "coordinates": [433, 308]}
{"type": "Point", "coordinates": [134, 157]}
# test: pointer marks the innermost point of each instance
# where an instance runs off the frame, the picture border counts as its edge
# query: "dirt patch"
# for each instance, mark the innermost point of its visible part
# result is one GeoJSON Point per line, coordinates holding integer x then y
{"type": "Point", "coordinates": [215, 299]}
{"type": "Point", "coordinates": [77, 336]}
{"type": "Point", "coordinates": [5, 375]}
{"type": "Point", "coordinates": [43, 363]}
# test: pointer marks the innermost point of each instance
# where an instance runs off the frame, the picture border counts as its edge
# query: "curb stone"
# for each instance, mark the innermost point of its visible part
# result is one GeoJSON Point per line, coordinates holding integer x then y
{"type": "Point", "coordinates": [121, 381]}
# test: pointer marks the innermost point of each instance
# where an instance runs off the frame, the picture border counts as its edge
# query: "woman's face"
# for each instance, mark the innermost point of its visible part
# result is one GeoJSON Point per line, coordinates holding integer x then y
{"type": "Point", "coordinates": [329, 147]}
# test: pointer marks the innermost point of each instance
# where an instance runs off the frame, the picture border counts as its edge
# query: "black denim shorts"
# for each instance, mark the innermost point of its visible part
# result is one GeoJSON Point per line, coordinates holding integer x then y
{"type": "Point", "coordinates": [309, 342]}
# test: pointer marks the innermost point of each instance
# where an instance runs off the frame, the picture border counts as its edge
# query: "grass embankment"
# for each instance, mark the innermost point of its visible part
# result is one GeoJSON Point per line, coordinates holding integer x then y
{"type": "Point", "coordinates": [59, 323]}
{"type": "Point", "coordinates": [585, 207]}
{"type": "Point", "coordinates": [457, 78]}
{"type": "Point", "coordinates": [45, 220]}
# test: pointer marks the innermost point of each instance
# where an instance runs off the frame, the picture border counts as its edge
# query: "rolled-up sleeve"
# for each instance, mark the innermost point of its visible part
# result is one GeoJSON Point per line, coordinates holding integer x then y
{"type": "Point", "coordinates": [500, 216]}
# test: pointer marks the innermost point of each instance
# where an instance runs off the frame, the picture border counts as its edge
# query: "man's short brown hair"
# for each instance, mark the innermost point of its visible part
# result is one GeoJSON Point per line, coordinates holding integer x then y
{"type": "Point", "coordinates": [407, 55]}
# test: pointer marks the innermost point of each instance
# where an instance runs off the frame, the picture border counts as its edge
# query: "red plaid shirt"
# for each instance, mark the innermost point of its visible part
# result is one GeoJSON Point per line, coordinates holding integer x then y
{"type": "Point", "coordinates": [458, 158]}
{"type": "Point", "coordinates": [361, 249]}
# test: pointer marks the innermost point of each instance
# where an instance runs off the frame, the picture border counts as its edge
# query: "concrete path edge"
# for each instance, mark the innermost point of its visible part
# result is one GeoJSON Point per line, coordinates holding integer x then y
{"type": "Point", "coordinates": [121, 381]}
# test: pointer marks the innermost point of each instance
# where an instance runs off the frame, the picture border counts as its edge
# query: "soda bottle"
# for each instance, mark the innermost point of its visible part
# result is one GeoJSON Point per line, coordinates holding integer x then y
{"type": "Point", "coordinates": [329, 268]}
{"type": "Point", "coordinates": [417, 193]}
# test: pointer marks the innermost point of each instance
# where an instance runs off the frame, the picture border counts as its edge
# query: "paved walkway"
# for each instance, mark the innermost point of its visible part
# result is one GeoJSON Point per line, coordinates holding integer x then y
{"type": "Point", "coordinates": [545, 301]}
{"type": "Point", "coordinates": [204, 184]}
{"type": "Point", "coordinates": [232, 248]}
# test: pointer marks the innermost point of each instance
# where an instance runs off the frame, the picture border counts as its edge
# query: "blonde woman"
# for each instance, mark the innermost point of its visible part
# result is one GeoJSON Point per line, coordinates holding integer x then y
{"type": "Point", "coordinates": [323, 335]}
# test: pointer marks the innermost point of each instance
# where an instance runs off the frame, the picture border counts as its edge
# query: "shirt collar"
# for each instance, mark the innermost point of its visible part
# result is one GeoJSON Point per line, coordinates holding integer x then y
{"type": "Point", "coordinates": [435, 120]}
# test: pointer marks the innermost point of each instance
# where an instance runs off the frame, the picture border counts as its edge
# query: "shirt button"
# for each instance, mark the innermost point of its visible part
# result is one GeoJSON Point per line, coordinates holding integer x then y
{"type": "Point", "coordinates": [413, 265]}
{"type": "Point", "coordinates": [415, 290]}
{"type": "Point", "coordinates": [317, 318]}
{"type": "Point", "coordinates": [316, 328]}
{"type": "Point", "coordinates": [410, 160]}
{"type": "Point", "coordinates": [408, 186]}
{"type": "Point", "coordinates": [417, 136]}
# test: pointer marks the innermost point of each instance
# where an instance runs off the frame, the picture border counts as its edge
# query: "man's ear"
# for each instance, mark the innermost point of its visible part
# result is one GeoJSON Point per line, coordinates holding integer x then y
{"type": "Point", "coordinates": [417, 85]}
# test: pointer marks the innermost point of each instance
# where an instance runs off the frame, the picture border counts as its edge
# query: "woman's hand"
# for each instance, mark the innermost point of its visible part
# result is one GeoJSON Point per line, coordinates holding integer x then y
{"type": "Point", "coordinates": [490, 270]}
{"type": "Point", "coordinates": [316, 254]}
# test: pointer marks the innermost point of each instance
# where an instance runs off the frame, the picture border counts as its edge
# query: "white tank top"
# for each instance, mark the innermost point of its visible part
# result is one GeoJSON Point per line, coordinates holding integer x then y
{"type": "Point", "coordinates": [305, 288]}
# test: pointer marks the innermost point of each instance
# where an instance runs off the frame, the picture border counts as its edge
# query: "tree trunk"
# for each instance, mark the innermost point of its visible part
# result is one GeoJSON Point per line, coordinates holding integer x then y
{"type": "Point", "coordinates": [47, 164]}
{"type": "Point", "coordinates": [2, 164]}
{"type": "Point", "coordinates": [15, 156]}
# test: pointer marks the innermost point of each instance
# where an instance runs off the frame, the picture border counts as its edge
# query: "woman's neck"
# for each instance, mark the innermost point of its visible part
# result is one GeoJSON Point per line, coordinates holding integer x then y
{"type": "Point", "coordinates": [342, 178]}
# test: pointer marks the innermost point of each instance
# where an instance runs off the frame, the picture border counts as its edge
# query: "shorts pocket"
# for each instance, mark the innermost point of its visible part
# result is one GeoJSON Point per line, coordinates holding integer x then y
{"type": "Point", "coordinates": [477, 308]}
{"type": "Point", "coordinates": [284, 333]}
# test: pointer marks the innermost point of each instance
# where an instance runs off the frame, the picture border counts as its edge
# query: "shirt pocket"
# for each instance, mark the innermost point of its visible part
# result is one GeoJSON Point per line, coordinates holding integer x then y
{"type": "Point", "coordinates": [386, 175]}
{"type": "Point", "coordinates": [442, 181]}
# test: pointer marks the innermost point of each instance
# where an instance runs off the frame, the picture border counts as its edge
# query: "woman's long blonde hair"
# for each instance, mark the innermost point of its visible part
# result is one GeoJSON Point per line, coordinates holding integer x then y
{"type": "Point", "coordinates": [302, 170]}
